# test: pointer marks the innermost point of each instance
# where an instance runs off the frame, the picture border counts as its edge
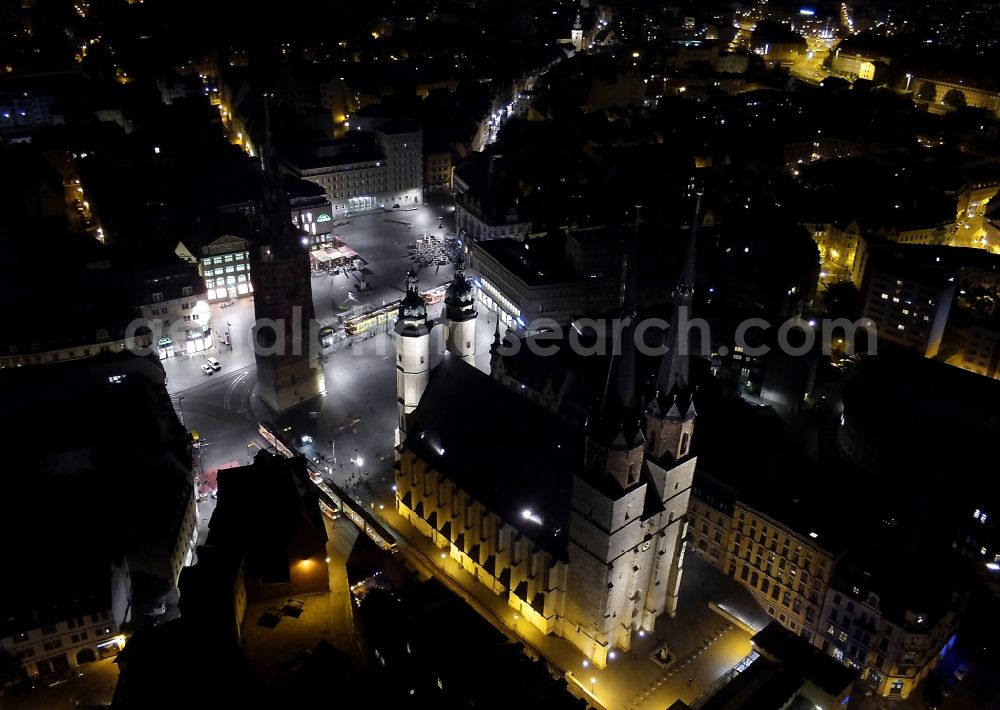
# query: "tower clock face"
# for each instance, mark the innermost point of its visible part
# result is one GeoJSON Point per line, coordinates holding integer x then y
{"type": "Point", "coordinates": [290, 280]}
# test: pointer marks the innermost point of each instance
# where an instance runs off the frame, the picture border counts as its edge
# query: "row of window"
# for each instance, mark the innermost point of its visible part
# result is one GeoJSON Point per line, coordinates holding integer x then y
{"type": "Point", "coordinates": [226, 270]}
{"type": "Point", "coordinates": [238, 256]}
{"type": "Point", "coordinates": [157, 297]}
{"type": "Point", "coordinates": [225, 281]}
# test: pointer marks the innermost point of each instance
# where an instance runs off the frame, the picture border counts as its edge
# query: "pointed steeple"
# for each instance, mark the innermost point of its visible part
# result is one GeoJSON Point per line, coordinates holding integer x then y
{"type": "Point", "coordinates": [619, 408]}
{"type": "Point", "coordinates": [673, 375]}
{"type": "Point", "coordinates": [626, 367]}
{"type": "Point", "coordinates": [495, 347]}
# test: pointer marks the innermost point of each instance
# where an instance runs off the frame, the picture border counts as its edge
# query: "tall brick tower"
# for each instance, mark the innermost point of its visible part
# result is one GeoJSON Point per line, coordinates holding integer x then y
{"type": "Point", "coordinates": [288, 367]}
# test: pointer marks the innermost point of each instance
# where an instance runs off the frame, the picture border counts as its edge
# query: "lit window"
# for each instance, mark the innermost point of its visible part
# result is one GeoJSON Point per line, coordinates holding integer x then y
{"type": "Point", "coordinates": [900, 327]}
{"type": "Point", "coordinates": [885, 296]}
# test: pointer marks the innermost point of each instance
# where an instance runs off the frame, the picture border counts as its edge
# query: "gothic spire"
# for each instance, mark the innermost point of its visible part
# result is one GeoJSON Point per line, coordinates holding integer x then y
{"type": "Point", "coordinates": [495, 347]}
{"type": "Point", "coordinates": [618, 407]}
{"type": "Point", "coordinates": [626, 367]}
{"type": "Point", "coordinates": [673, 375]}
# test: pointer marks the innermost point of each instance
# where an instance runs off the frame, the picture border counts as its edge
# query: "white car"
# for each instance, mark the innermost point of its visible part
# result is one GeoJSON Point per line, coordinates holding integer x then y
{"type": "Point", "coordinates": [207, 369]}
{"type": "Point", "coordinates": [961, 672]}
{"type": "Point", "coordinates": [214, 364]}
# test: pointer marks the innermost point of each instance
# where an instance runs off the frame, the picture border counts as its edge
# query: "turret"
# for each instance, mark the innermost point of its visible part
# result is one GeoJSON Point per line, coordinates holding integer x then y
{"type": "Point", "coordinates": [412, 338]}
{"type": "Point", "coordinates": [460, 315]}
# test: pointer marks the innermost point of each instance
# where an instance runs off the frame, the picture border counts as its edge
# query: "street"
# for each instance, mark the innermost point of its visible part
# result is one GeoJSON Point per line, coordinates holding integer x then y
{"type": "Point", "coordinates": [349, 435]}
{"type": "Point", "coordinates": [353, 425]}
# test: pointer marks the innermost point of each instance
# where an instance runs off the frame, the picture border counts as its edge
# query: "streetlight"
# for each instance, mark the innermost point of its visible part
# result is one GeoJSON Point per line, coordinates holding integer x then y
{"type": "Point", "coordinates": [908, 78]}
{"type": "Point", "coordinates": [180, 404]}
{"type": "Point", "coordinates": [516, 617]}
{"type": "Point", "coordinates": [593, 682]}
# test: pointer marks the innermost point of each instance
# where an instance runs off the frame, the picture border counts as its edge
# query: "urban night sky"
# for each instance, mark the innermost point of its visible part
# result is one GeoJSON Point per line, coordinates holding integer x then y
{"type": "Point", "coordinates": [486, 353]}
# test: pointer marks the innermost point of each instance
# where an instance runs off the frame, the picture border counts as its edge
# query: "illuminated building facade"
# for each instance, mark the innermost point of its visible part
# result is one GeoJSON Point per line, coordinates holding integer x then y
{"type": "Point", "coordinates": [83, 626]}
{"type": "Point", "coordinates": [364, 172]}
{"type": "Point", "coordinates": [225, 266]}
{"type": "Point", "coordinates": [892, 626]}
{"type": "Point", "coordinates": [909, 306]}
{"type": "Point", "coordinates": [174, 301]}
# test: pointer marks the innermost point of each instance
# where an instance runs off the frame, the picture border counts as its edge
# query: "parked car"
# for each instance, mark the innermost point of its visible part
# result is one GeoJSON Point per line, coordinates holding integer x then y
{"type": "Point", "coordinates": [158, 610]}
{"type": "Point", "coordinates": [207, 369]}
{"type": "Point", "coordinates": [961, 672]}
{"type": "Point", "coordinates": [214, 364]}
{"type": "Point", "coordinates": [949, 687]}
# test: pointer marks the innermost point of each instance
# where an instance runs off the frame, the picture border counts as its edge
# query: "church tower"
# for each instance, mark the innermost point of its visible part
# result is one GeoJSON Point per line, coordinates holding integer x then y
{"type": "Point", "coordinates": [460, 316]}
{"type": "Point", "coordinates": [413, 352]}
{"type": "Point", "coordinates": [576, 35]}
{"type": "Point", "coordinates": [285, 330]}
{"type": "Point", "coordinates": [607, 580]}
{"type": "Point", "coordinates": [671, 415]}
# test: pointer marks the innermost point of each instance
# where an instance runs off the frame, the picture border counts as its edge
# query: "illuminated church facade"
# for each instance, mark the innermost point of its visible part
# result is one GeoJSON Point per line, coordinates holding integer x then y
{"type": "Point", "coordinates": [579, 526]}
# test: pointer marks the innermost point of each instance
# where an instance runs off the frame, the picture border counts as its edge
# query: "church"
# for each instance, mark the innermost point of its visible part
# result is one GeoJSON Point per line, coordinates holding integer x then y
{"type": "Point", "coordinates": [578, 521]}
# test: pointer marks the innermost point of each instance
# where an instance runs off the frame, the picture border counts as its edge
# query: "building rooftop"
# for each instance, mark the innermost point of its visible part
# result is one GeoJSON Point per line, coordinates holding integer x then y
{"type": "Point", "coordinates": [398, 126]}
{"type": "Point", "coordinates": [336, 152]}
{"type": "Point", "coordinates": [537, 262]}
{"type": "Point", "coordinates": [745, 448]}
{"type": "Point", "coordinates": [264, 511]}
{"type": "Point", "coordinates": [908, 584]}
{"type": "Point", "coordinates": [454, 429]}
{"type": "Point", "coordinates": [802, 658]}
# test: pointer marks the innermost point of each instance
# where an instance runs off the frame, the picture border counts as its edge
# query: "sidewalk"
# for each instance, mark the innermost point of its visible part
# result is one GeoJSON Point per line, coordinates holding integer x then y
{"type": "Point", "coordinates": [631, 679]}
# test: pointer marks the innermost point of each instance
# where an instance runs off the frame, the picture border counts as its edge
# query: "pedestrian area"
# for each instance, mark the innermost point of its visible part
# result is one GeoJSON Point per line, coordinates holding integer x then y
{"type": "Point", "coordinates": [703, 644]}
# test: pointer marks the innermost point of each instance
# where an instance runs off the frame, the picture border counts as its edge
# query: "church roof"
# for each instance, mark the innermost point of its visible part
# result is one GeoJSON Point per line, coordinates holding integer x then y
{"type": "Point", "coordinates": [510, 454]}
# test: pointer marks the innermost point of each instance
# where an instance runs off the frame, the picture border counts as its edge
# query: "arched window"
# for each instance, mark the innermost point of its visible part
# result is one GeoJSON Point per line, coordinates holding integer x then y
{"type": "Point", "coordinates": [685, 443]}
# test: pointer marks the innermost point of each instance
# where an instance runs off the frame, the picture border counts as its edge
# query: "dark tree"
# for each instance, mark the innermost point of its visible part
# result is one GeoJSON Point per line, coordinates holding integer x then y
{"type": "Point", "coordinates": [10, 668]}
{"type": "Point", "coordinates": [842, 300]}
{"type": "Point", "coordinates": [927, 92]}
{"type": "Point", "coordinates": [954, 98]}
